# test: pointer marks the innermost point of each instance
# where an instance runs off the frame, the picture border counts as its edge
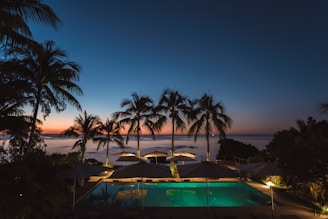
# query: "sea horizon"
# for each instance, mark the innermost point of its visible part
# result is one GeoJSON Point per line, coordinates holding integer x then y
{"type": "Point", "coordinates": [58, 143]}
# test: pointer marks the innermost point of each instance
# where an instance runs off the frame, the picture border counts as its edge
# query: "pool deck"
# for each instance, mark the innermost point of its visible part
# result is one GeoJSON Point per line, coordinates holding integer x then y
{"type": "Point", "coordinates": [285, 208]}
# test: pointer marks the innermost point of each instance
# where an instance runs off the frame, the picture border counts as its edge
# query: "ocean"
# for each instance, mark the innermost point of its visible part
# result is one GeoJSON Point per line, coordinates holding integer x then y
{"type": "Point", "coordinates": [59, 144]}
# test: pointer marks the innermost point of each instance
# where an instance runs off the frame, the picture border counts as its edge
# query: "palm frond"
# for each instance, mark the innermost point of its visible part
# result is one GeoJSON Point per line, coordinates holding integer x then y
{"type": "Point", "coordinates": [323, 107]}
{"type": "Point", "coordinates": [32, 10]}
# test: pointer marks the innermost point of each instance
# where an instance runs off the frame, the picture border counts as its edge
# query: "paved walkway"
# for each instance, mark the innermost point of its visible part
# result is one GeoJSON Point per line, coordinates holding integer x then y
{"type": "Point", "coordinates": [286, 206]}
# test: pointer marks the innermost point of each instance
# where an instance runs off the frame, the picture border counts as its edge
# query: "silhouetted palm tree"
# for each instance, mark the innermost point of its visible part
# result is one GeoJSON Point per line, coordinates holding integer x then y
{"type": "Point", "coordinates": [14, 30]}
{"type": "Point", "coordinates": [138, 114]}
{"type": "Point", "coordinates": [51, 79]}
{"type": "Point", "coordinates": [175, 106]}
{"type": "Point", "coordinates": [210, 116]}
{"type": "Point", "coordinates": [85, 127]}
{"type": "Point", "coordinates": [111, 130]}
{"type": "Point", "coordinates": [15, 16]}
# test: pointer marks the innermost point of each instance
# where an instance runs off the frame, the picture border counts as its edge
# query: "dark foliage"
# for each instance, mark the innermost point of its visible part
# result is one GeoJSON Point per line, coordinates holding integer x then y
{"type": "Point", "coordinates": [31, 188]}
{"type": "Point", "coordinates": [303, 153]}
{"type": "Point", "coordinates": [230, 148]}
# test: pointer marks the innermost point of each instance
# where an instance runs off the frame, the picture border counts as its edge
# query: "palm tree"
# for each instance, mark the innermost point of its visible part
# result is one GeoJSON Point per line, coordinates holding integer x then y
{"type": "Point", "coordinates": [209, 115]}
{"type": "Point", "coordinates": [15, 16]}
{"type": "Point", "coordinates": [138, 113]}
{"type": "Point", "coordinates": [51, 79]}
{"type": "Point", "coordinates": [111, 129]}
{"type": "Point", "coordinates": [14, 31]}
{"type": "Point", "coordinates": [86, 128]}
{"type": "Point", "coordinates": [174, 105]}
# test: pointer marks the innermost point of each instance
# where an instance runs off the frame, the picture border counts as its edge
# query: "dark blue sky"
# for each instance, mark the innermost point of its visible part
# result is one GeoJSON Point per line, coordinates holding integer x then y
{"type": "Point", "coordinates": [267, 61]}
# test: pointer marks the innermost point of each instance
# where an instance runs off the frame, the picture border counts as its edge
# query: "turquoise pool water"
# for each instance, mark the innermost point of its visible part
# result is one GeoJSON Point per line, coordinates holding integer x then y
{"type": "Point", "coordinates": [175, 194]}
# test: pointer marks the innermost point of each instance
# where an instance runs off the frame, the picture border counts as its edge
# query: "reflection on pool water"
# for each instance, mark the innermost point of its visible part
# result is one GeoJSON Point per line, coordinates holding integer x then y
{"type": "Point", "coordinates": [175, 194]}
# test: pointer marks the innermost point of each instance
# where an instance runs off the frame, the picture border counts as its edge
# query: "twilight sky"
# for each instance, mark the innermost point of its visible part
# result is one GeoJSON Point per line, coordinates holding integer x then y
{"type": "Point", "coordinates": [267, 61]}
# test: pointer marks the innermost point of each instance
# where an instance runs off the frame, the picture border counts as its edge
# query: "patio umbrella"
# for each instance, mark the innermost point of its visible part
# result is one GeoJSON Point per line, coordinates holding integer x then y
{"type": "Point", "coordinates": [83, 171]}
{"type": "Point", "coordinates": [206, 170]}
{"type": "Point", "coordinates": [184, 153]}
{"type": "Point", "coordinates": [260, 169]}
{"type": "Point", "coordinates": [142, 169]}
{"type": "Point", "coordinates": [156, 154]}
{"type": "Point", "coordinates": [124, 153]}
{"type": "Point", "coordinates": [182, 158]}
{"type": "Point", "coordinates": [132, 158]}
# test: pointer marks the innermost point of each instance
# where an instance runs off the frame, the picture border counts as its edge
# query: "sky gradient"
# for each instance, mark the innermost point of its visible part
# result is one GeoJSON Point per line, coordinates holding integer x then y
{"type": "Point", "coordinates": [265, 60]}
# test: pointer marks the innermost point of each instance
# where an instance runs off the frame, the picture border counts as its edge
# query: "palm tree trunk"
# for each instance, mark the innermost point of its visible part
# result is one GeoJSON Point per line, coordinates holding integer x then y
{"type": "Point", "coordinates": [172, 143]}
{"type": "Point", "coordinates": [138, 145]}
{"type": "Point", "coordinates": [35, 115]}
{"type": "Point", "coordinates": [107, 161]}
{"type": "Point", "coordinates": [138, 140]}
{"type": "Point", "coordinates": [208, 146]}
{"type": "Point", "coordinates": [83, 147]}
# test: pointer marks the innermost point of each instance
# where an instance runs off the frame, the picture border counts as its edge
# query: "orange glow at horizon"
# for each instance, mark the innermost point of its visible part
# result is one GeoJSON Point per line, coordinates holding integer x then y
{"type": "Point", "coordinates": [52, 131]}
{"type": "Point", "coordinates": [59, 128]}
{"type": "Point", "coordinates": [46, 129]}
{"type": "Point", "coordinates": [58, 123]}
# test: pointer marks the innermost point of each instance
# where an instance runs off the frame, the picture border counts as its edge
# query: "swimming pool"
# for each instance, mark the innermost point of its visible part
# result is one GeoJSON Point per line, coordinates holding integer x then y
{"type": "Point", "coordinates": [174, 194]}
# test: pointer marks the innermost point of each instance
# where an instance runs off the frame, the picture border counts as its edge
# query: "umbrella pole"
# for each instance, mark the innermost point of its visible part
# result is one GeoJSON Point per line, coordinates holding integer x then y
{"type": "Point", "coordinates": [142, 191]}
{"type": "Point", "coordinates": [143, 198]}
{"type": "Point", "coordinates": [207, 199]}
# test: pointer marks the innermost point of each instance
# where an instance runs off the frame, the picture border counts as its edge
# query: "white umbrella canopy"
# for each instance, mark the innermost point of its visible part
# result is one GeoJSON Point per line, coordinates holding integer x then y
{"type": "Point", "coordinates": [124, 153]}
{"type": "Point", "coordinates": [180, 158]}
{"type": "Point", "coordinates": [142, 169]}
{"type": "Point", "coordinates": [156, 154]}
{"type": "Point", "coordinates": [184, 153]}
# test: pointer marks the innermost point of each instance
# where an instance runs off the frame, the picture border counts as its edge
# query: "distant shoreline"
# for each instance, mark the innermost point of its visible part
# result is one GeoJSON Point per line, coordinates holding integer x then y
{"type": "Point", "coordinates": [201, 135]}
{"type": "Point", "coordinates": [58, 143]}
